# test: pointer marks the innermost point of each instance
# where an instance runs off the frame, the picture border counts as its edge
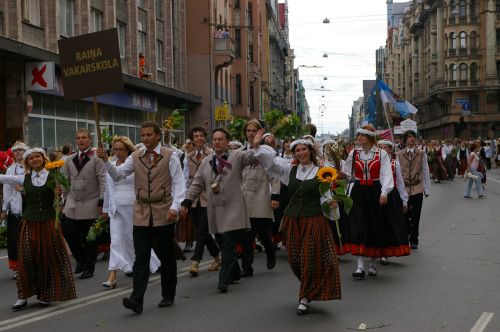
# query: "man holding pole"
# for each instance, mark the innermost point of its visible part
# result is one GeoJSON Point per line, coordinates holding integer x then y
{"type": "Point", "coordinates": [160, 189]}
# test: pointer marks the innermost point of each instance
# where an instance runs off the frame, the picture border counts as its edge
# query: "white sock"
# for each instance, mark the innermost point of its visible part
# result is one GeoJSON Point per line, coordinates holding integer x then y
{"type": "Point", "coordinates": [20, 302]}
{"type": "Point", "coordinates": [361, 263]}
{"type": "Point", "coordinates": [303, 303]}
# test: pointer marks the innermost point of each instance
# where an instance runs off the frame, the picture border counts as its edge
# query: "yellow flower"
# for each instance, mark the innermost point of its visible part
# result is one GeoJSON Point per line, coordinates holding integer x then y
{"type": "Point", "coordinates": [327, 174]}
{"type": "Point", "coordinates": [54, 164]}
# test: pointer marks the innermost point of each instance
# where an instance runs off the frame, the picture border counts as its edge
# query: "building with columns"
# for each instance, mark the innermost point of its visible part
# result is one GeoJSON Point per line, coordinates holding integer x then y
{"type": "Point", "coordinates": [29, 31]}
{"type": "Point", "coordinates": [444, 57]}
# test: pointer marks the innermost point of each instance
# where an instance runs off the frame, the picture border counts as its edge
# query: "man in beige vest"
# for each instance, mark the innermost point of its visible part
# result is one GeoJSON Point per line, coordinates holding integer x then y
{"type": "Point", "coordinates": [83, 203]}
{"type": "Point", "coordinates": [192, 162]}
{"type": "Point", "coordinates": [415, 169]}
{"type": "Point", "coordinates": [160, 189]}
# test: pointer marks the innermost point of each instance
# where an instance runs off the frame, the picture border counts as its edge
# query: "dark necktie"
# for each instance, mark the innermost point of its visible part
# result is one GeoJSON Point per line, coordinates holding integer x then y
{"type": "Point", "coordinates": [155, 155]}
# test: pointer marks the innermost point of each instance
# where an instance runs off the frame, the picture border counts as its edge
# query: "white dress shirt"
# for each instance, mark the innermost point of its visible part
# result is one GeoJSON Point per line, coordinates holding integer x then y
{"type": "Point", "coordinates": [12, 199]}
{"type": "Point", "coordinates": [400, 184]}
{"type": "Point", "coordinates": [385, 178]}
{"type": "Point", "coordinates": [37, 178]}
{"type": "Point", "coordinates": [446, 150]}
{"type": "Point", "coordinates": [118, 173]}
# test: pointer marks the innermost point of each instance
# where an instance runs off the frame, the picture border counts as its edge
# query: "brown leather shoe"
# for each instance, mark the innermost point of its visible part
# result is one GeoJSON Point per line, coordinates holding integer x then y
{"type": "Point", "coordinates": [194, 270]}
{"type": "Point", "coordinates": [215, 264]}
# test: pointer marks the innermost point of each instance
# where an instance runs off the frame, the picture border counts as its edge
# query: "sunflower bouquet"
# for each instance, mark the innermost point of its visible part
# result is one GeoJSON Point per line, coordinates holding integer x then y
{"type": "Point", "coordinates": [59, 180]}
{"type": "Point", "coordinates": [330, 182]}
{"type": "Point", "coordinates": [100, 227]}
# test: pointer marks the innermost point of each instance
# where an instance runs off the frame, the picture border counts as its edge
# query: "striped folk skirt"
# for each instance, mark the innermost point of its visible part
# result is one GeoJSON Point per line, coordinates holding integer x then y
{"type": "Point", "coordinates": [312, 257]}
{"type": "Point", "coordinates": [44, 268]}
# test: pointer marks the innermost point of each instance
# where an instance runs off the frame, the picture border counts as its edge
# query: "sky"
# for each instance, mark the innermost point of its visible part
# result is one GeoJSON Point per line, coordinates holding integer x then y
{"type": "Point", "coordinates": [357, 29]}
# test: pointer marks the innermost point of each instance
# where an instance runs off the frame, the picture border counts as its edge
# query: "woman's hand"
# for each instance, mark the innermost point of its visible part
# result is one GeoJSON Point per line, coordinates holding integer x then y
{"type": "Point", "coordinates": [59, 190]}
{"type": "Point", "coordinates": [333, 204]}
{"type": "Point", "coordinates": [383, 199]}
{"type": "Point", "coordinates": [258, 138]}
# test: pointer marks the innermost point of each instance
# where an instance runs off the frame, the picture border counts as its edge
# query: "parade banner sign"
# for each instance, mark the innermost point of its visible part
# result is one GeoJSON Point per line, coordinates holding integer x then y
{"type": "Point", "coordinates": [90, 64]}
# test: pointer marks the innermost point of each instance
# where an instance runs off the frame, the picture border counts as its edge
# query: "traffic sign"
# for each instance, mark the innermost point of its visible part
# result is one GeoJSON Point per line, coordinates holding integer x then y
{"type": "Point", "coordinates": [465, 109]}
{"type": "Point", "coordinates": [462, 100]}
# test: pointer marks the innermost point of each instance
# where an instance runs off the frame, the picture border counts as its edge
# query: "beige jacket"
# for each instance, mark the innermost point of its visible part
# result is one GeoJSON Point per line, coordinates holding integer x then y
{"type": "Point", "coordinates": [193, 164]}
{"type": "Point", "coordinates": [88, 182]}
{"type": "Point", "coordinates": [226, 210]}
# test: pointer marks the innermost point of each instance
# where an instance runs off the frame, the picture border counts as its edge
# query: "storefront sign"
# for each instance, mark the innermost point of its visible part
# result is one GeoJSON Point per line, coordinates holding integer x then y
{"type": "Point", "coordinates": [408, 124]}
{"type": "Point", "coordinates": [90, 64]}
{"type": "Point", "coordinates": [39, 76]}
{"type": "Point", "coordinates": [461, 101]}
{"type": "Point", "coordinates": [222, 112]}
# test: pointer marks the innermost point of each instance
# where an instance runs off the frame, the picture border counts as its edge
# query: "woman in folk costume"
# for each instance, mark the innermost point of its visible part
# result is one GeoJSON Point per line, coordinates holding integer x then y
{"type": "Point", "coordinates": [436, 162]}
{"type": "Point", "coordinates": [396, 232]}
{"type": "Point", "coordinates": [44, 268]}
{"type": "Point", "coordinates": [119, 199]}
{"type": "Point", "coordinates": [370, 168]}
{"type": "Point", "coordinates": [334, 155]}
{"type": "Point", "coordinates": [13, 204]}
{"type": "Point", "coordinates": [308, 239]}
{"type": "Point", "coordinates": [462, 157]}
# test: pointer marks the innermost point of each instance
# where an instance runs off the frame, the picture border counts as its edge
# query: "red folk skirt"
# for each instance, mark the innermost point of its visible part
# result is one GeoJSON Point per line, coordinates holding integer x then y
{"type": "Point", "coordinates": [44, 267]}
{"type": "Point", "coordinates": [312, 257]}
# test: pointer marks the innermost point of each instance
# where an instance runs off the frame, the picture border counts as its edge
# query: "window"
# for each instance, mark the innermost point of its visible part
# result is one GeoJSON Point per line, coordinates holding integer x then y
{"type": "Point", "coordinates": [461, 8]}
{"type": "Point", "coordinates": [95, 20]}
{"type": "Point", "coordinates": [237, 42]}
{"type": "Point", "coordinates": [473, 39]}
{"type": "Point", "coordinates": [67, 18]}
{"type": "Point", "coordinates": [158, 5]}
{"type": "Point", "coordinates": [453, 9]}
{"type": "Point", "coordinates": [121, 27]}
{"type": "Point", "coordinates": [453, 41]}
{"type": "Point", "coordinates": [250, 14]}
{"type": "Point", "coordinates": [463, 39]}
{"type": "Point", "coordinates": [238, 89]}
{"type": "Point", "coordinates": [251, 99]}
{"type": "Point", "coordinates": [237, 4]}
{"type": "Point", "coordinates": [159, 55]}
{"type": "Point", "coordinates": [141, 3]}
{"type": "Point", "coordinates": [141, 40]}
{"type": "Point", "coordinates": [453, 72]}
{"type": "Point", "coordinates": [250, 53]}
{"type": "Point", "coordinates": [473, 8]}
{"type": "Point", "coordinates": [463, 71]}
{"type": "Point", "coordinates": [473, 72]}
{"type": "Point", "coordinates": [31, 11]}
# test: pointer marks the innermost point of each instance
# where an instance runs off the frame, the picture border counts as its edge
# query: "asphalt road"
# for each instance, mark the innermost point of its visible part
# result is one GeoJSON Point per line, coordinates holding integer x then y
{"type": "Point", "coordinates": [450, 284]}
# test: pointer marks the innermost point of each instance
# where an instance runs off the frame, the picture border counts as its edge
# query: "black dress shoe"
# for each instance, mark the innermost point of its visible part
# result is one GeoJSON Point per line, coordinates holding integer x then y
{"type": "Point", "coordinates": [301, 311]}
{"type": "Point", "coordinates": [79, 268]}
{"type": "Point", "coordinates": [132, 305]}
{"type": "Point", "coordinates": [19, 306]}
{"type": "Point", "coordinates": [222, 288]}
{"type": "Point", "coordinates": [271, 261]}
{"type": "Point", "coordinates": [166, 302]}
{"type": "Point", "coordinates": [413, 246]}
{"type": "Point", "coordinates": [359, 273]}
{"type": "Point", "coordinates": [247, 273]}
{"type": "Point", "coordinates": [86, 275]}
{"type": "Point", "coordinates": [129, 274]}
{"type": "Point", "coordinates": [43, 304]}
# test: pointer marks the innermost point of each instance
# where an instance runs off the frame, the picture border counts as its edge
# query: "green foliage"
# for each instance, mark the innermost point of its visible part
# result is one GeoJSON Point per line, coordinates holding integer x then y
{"type": "Point", "coordinates": [324, 187]}
{"type": "Point", "coordinates": [100, 227]}
{"type": "Point", "coordinates": [288, 126]}
{"type": "Point", "coordinates": [273, 117]}
{"type": "Point", "coordinates": [235, 128]}
{"type": "Point", "coordinates": [59, 179]}
{"type": "Point", "coordinates": [106, 136]}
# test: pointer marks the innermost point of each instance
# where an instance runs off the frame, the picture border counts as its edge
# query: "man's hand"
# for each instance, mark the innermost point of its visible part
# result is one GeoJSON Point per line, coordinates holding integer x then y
{"type": "Point", "coordinates": [275, 204]}
{"type": "Point", "coordinates": [172, 215]}
{"type": "Point", "coordinates": [333, 204]}
{"type": "Point", "coordinates": [3, 215]}
{"type": "Point", "coordinates": [101, 153]}
{"type": "Point", "coordinates": [184, 211]}
{"type": "Point", "coordinates": [19, 188]}
{"type": "Point", "coordinates": [383, 199]}
{"type": "Point", "coordinates": [405, 209]}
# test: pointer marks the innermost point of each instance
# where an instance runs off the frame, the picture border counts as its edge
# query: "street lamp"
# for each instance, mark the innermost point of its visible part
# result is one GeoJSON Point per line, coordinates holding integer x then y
{"type": "Point", "coordinates": [325, 55]}
{"type": "Point", "coordinates": [326, 21]}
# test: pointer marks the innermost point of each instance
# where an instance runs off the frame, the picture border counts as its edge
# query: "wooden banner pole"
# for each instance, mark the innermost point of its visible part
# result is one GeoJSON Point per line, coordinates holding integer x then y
{"type": "Point", "coordinates": [97, 116]}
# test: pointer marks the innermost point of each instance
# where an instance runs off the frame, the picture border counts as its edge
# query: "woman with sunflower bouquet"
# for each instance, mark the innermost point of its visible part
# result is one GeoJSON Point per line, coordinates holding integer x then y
{"type": "Point", "coordinates": [44, 268]}
{"type": "Point", "coordinates": [307, 236]}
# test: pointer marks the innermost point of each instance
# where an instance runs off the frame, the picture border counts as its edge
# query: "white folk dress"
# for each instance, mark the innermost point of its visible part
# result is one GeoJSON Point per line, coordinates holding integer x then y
{"type": "Point", "coordinates": [119, 200]}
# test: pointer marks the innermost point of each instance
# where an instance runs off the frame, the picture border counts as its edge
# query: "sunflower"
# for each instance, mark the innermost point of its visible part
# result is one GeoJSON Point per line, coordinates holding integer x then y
{"type": "Point", "coordinates": [54, 164]}
{"type": "Point", "coordinates": [327, 174]}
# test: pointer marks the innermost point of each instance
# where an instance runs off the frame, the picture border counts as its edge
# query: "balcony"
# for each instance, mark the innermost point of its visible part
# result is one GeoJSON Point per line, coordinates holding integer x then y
{"type": "Point", "coordinates": [452, 84]}
{"type": "Point", "coordinates": [462, 51]}
{"type": "Point", "coordinates": [474, 20]}
{"type": "Point", "coordinates": [474, 51]}
{"type": "Point", "coordinates": [474, 82]}
{"type": "Point", "coordinates": [462, 20]}
{"type": "Point", "coordinates": [224, 52]}
{"type": "Point", "coordinates": [452, 52]}
{"type": "Point", "coordinates": [452, 20]}
{"type": "Point", "coordinates": [462, 83]}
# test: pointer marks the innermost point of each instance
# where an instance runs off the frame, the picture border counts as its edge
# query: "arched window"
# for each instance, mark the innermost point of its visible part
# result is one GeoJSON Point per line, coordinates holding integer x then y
{"type": "Point", "coordinates": [453, 72]}
{"type": "Point", "coordinates": [473, 8]}
{"type": "Point", "coordinates": [473, 72]}
{"type": "Point", "coordinates": [463, 72]}
{"type": "Point", "coordinates": [453, 8]}
{"type": "Point", "coordinates": [453, 41]}
{"type": "Point", "coordinates": [463, 39]}
{"type": "Point", "coordinates": [473, 39]}
{"type": "Point", "coordinates": [461, 8]}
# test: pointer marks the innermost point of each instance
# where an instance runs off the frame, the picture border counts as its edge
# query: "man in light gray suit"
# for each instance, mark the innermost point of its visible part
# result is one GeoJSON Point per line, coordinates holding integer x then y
{"type": "Point", "coordinates": [83, 203]}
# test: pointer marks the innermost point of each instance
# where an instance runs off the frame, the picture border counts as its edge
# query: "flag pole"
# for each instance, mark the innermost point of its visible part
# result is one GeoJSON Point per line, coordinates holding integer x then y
{"type": "Point", "coordinates": [385, 113]}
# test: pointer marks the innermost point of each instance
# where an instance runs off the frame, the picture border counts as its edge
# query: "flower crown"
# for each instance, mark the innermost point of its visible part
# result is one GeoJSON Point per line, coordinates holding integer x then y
{"type": "Point", "coordinates": [300, 141]}
{"type": "Point", "coordinates": [366, 132]}
{"type": "Point", "coordinates": [385, 142]}
{"type": "Point", "coordinates": [33, 150]}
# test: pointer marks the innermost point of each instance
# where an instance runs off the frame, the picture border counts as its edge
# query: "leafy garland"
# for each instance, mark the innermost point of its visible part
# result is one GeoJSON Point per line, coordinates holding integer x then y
{"type": "Point", "coordinates": [235, 128]}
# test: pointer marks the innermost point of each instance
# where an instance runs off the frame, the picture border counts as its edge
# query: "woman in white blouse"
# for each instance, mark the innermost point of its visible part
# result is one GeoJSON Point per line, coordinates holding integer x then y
{"type": "Point", "coordinates": [119, 200]}
{"type": "Point", "coordinates": [307, 236]}
{"type": "Point", "coordinates": [44, 268]}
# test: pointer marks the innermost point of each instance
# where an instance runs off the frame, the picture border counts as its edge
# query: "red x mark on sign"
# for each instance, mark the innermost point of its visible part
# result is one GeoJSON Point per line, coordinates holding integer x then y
{"type": "Point", "coordinates": [38, 76]}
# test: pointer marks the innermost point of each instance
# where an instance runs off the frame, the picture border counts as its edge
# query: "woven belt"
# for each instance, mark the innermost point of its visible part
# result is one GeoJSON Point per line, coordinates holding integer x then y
{"type": "Point", "coordinates": [366, 182]}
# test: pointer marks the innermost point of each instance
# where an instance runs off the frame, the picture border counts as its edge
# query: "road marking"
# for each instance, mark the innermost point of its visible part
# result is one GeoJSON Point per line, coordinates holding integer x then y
{"type": "Point", "coordinates": [482, 322]}
{"type": "Point", "coordinates": [78, 303]}
{"type": "Point", "coordinates": [492, 180]}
